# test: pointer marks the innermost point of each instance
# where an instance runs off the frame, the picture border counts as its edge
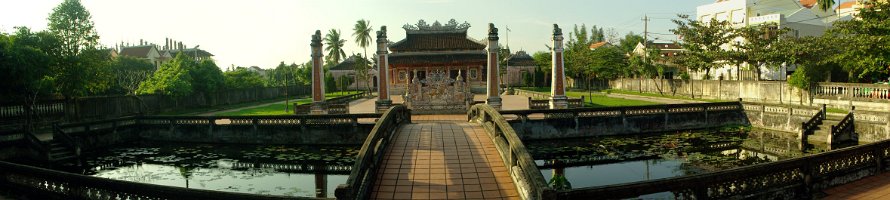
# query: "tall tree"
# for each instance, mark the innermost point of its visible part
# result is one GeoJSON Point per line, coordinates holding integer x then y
{"type": "Point", "coordinates": [25, 62]}
{"type": "Point", "coordinates": [543, 61]}
{"type": "Point", "coordinates": [759, 48]}
{"type": "Point", "coordinates": [864, 44]}
{"type": "Point", "coordinates": [629, 42]}
{"type": "Point", "coordinates": [362, 34]}
{"type": "Point", "coordinates": [703, 42]}
{"type": "Point", "coordinates": [825, 5]}
{"type": "Point", "coordinates": [334, 46]}
{"type": "Point", "coordinates": [81, 67]}
{"type": "Point", "coordinates": [129, 72]}
{"type": "Point", "coordinates": [172, 78]}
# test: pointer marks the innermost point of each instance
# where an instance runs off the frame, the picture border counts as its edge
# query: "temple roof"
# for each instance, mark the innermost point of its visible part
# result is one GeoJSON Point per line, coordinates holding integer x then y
{"type": "Point", "coordinates": [436, 42]}
{"type": "Point", "coordinates": [348, 64]}
{"type": "Point", "coordinates": [436, 37]}
{"type": "Point", "coordinates": [520, 58]}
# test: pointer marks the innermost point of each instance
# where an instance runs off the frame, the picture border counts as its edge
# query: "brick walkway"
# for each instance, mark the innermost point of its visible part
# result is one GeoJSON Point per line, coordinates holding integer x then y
{"type": "Point", "coordinates": [872, 187]}
{"type": "Point", "coordinates": [443, 160]}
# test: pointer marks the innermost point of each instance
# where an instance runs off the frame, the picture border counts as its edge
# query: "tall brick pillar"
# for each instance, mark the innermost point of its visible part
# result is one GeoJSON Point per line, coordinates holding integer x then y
{"type": "Point", "coordinates": [494, 98]}
{"type": "Point", "coordinates": [383, 102]}
{"type": "Point", "coordinates": [558, 99]}
{"type": "Point", "coordinates": [318, 104]}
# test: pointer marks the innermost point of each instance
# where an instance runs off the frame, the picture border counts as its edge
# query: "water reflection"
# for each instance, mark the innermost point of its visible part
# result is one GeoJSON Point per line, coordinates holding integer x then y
{"type": "Point", "coordinates": [304, 171]}
{"type": "Point", "coordinates": [614, 160]}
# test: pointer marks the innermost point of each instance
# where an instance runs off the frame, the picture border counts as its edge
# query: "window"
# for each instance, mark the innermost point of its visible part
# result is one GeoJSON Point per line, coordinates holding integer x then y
{"type": "Point", "coordinates": [738, 16]}
{"type": "Point", "coordinates": [474, 73]}
{"type": "Point", "coordinates": [705, 18]}
{"type": "Point", "coordinates": [722, 16]}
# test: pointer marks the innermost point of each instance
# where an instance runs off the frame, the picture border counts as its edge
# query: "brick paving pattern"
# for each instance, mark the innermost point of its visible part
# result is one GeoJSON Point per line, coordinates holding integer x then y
{"type": "Point", "coordinates": [443, 160]}
{"type": "Point", "coordinates": [872, 187]}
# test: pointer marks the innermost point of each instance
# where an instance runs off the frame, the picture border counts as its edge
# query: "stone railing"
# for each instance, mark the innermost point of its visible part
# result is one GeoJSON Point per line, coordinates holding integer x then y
{"type": "Point", "coordinates": [50, 184]}
{"type": "Point", "coordinates": [810, 125]}
{"type": "Point", "coordinates": [367, 162]}
{"type": "Point", "coordinates": [590, 122]}
{"type": "Point", "coordinates": [844, 130]}
{"type": "Point", "coordinates": [522, 167]}
{"type": "Point", "coordinates": [336, 105]}
{"type": "Point", "coordinates": [797, 178]}
{"type": "Point", "coordinates": [541, 100]}
{"type": "Point", "coordinates": [853, 91]}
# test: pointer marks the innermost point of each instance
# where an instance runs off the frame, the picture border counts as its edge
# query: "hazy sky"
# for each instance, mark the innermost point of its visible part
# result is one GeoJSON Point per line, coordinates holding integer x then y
{"type": "Point", "coordinates": [266, 32]}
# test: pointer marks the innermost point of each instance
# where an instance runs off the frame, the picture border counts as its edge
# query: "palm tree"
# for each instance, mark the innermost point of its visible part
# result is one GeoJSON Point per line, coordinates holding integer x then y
{"type": "Point", "coordinates": [334, 46]}
{"type": "Point", "coordinates": [362, 34]}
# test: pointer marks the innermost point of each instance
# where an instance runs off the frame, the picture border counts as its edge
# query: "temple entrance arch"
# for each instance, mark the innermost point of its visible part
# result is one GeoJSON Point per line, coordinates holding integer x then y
{"type": "Point", "coordinates": [436, 92]}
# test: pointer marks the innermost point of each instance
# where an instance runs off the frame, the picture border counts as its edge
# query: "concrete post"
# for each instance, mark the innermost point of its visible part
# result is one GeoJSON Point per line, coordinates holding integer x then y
{"type": "Point", "coordinates": [494, 98]}
{"type": "Point", "coordinates": [558, 99]}
{"type": "Point", "coordinates": [383, 102]}
{"type": "Point", "coordinates": [318, 104]}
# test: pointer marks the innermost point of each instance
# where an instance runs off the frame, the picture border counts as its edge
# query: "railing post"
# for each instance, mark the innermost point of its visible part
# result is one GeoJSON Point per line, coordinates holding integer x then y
{"type": "Point", "coordinates": [824, 110]}
{"type": "Point", "coordinates": [879, 160]}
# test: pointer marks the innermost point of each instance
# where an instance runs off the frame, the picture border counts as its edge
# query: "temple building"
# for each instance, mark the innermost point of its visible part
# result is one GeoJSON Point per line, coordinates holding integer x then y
{"type": "Point", "coordinates": [437, 48]}
{"type": "Point", "coordinates": [520, 66]}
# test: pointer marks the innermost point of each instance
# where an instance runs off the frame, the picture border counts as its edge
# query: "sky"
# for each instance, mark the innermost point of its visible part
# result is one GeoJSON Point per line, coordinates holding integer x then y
{"type": "Point", "coordinates": [265, 32]}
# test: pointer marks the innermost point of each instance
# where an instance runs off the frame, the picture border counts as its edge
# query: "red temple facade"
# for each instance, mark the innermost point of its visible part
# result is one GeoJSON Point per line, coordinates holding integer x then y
{"type": "Point", "coordinates": [437, 48]}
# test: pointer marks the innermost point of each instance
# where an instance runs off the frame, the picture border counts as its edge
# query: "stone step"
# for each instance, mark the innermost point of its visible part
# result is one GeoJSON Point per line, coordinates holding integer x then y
{"type": "Point", "coordinates": [818, 137]}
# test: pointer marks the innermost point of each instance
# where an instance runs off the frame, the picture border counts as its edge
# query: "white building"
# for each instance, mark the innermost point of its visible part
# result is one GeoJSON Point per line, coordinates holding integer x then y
{"type": "Point", "coordinates": [801, 17]}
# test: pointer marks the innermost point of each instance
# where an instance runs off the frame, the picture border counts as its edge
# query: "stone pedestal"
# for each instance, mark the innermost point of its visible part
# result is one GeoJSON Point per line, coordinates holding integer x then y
{"type": "Point", "coordinates": [318, 104]}
{"type": "Point", "coordinates": [494, 98]}
{"type": "Point", "coordinates": [382, 105]}
{"type": "Point", "coordinates": [559, 102]}
{"type": "Point", "coordinates": [383, 102]}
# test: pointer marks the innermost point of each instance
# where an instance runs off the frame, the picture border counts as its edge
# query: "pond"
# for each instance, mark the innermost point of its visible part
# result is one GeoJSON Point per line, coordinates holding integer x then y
{"type": "Point", "coordinates": [624, 159]}
{"type": "Point", "coordinates": [289, 170]}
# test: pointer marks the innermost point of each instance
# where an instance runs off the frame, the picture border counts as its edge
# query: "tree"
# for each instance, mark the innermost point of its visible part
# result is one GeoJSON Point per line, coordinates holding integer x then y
{"type": "Point", "coordinates": [629, 42]}
{"type": "Point", "coordinates": [863, 46]}
{"type": "Point", "coordinates": [810, 55]}
{"type": "Point", "coordinates": [825, 5]}
{"type": "Point", "coordinates": [25, 64]}
{"type": "Point", "coordinates": [207, 78]}
{"type": "Point", "coordinates": [361, 68]}
{"type": "Point", "coordinates": [543, 61]}
{"type": "Point", "coordinates": [172, 78]}
{"type": "Point", "coordinates": [362, 34]}
{"type": "Point", "coordinates": [703, 42]}
{"type": "Point", "coordinates": [129, 72]}
{"type": "Point", "coordinates": [81, 67]}
{"type": "Point", "coordinates": [759, 48]}
{"type": "Point", "coordinates": [242, 78]}
{"type": "Point", "coordinates": [334, 46]}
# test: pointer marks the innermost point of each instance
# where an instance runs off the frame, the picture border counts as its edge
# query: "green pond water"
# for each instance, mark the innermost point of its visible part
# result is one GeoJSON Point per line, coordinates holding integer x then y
{"type": "Point", "coordinates": [258, 169]}
{"type": "Point", "coordinates": [624, 159]}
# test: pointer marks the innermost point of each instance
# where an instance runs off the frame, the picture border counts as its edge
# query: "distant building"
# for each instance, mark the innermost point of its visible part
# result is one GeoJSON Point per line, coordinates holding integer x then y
{"type": "Point", "coordinates": [520, 66]}
{"type": "Point", "coordinates": [347, 69]}
{"type": "Point", "coordinates": [600, 44]}
{"type": "Point", "coordinates": [801, 17]}
{"type": "Point", "coordinates": [148, 53]}
{"type": "Point", "coordinates": [668, 50]}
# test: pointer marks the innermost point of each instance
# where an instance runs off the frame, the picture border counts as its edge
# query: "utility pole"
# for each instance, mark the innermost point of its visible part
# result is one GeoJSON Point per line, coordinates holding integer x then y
{"type": "Point", "coordinates": [645, 31]}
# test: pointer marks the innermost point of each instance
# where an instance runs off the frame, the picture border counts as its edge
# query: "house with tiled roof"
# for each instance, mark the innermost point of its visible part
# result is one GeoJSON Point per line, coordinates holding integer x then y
{"type": "Point", "coordinates": [520, 66]}
{"type": "Point", "coordinates": [599, 44]}
{"type": "Point", "coordinates": [437, 48]}
{"type": "Point", "coordinates": [148, 53]}
{"type": "Point", "coordinates": [347, 69]}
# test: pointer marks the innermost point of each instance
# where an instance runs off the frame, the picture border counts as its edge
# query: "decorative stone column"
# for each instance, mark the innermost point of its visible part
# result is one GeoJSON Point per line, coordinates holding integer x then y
{"type": "Point", "coordinates": [383, 102]}
{"type": "Point", "coordinates": [558, 99]}
{"type": "Point", "coordinates": [318, 104]}
{"type": "Point", "coordinates": [494, 98]}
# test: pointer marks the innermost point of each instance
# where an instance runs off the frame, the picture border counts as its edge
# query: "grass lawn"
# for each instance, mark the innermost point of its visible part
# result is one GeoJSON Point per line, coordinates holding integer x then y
{"type": "Point", "coordinates": [837, 110]}
{"type": "Point", "coordinates": [278, 108]}
{"type": "Point", "coordinates": [598, 99]}
{"type": "Point", "coordinates": [628, 92]}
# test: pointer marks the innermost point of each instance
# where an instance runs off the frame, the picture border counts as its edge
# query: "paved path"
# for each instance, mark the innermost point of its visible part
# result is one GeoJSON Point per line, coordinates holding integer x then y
{"type": "Point", "coordinates": [443, 160]}
{"type": "Point", "coordinates": [872, 187]}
